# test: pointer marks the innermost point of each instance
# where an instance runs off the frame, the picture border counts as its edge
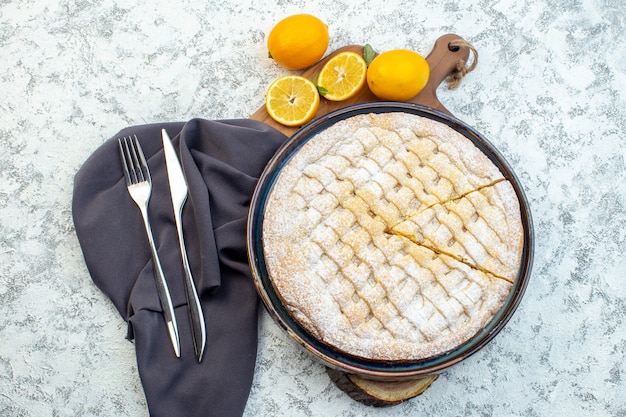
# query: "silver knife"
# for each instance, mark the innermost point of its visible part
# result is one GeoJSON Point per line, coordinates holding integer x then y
{"type": "Point", "coordinates": [179, 191]}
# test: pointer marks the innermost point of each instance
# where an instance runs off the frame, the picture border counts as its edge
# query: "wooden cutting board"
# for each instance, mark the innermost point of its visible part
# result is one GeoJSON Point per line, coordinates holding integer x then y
{"type": "Point", "coordinates": [443, 62]}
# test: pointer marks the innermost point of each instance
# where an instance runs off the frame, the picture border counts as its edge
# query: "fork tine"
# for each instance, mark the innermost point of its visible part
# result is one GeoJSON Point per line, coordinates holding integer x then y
{"type": "Point", "coordinates": [123, 150]}
{"type": "Point", "coordinates": [142, 163]}
{"type": "Point", "coordinates": [139, 166]}
{"type": "Point", "coordinates": [130, 164]}
{"type": "Point", "coordinates": [133, 160]}
{"type": "Point", "coordinates": [132, 156]}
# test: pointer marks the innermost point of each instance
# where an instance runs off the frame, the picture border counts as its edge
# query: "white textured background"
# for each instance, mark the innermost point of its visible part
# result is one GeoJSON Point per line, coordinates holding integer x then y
{"type": "Point", "coordinates": [549, 92]}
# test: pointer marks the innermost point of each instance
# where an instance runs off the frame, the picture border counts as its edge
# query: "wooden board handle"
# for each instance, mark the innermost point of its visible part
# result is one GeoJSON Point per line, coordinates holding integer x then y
{"type": "Point", "coordinates": [442, 61]}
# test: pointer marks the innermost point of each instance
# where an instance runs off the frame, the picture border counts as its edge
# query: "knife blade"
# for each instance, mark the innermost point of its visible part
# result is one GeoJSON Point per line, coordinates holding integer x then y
{"type": "Point", "coordinates": [179, 191]}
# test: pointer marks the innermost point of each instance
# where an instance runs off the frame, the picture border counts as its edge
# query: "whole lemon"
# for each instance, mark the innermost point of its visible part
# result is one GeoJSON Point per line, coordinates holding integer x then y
{"type": "Point", "coordinates": [397, 75]}
{"type": "Point", "coordinates": [298, 41]}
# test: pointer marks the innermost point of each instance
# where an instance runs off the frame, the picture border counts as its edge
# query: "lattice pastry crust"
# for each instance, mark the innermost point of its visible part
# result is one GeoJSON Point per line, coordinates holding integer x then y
{"type": "Point", "coordinates": [391, 236]}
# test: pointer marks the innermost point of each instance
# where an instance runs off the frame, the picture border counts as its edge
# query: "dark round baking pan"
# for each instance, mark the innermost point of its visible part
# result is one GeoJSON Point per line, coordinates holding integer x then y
{"type": "Point", "coordinates": [376, 369]}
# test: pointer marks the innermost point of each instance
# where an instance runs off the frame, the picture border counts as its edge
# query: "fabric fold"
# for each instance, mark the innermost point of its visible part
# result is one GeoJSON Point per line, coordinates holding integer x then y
{"type": "Point", "coordinates": [222, 161]}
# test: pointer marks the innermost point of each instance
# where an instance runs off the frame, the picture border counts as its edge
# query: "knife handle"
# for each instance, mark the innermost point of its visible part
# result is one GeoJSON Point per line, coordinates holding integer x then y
{"type": "Point", "coordinates": [195, 309]}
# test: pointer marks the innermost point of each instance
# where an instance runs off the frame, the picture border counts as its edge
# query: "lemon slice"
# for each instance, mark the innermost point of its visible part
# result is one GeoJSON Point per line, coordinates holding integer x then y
{"type": "Point", "coordinates": [342, 76]}
{"type": "Point", "coordinates": [292, 100]}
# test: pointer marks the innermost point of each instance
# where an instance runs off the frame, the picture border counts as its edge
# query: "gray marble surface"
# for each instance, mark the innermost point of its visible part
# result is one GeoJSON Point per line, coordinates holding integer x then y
{"type": "Point", "coordinates": [549, 91]}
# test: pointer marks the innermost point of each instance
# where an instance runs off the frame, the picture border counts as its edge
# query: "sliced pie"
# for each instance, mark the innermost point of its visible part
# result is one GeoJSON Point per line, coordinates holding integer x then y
{"type": "Point", "coordinates": [392, 237]}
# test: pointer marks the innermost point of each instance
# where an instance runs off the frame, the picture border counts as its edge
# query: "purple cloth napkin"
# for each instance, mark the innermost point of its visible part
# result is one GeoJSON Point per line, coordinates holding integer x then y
{"type": "Point", "coordinates": [222, 161]}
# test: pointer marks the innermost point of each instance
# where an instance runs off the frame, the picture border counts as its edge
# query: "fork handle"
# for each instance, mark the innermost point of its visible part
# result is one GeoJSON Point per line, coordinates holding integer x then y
{"type": "Point", "coordinates": [162, 288]}
{"type": "Point", "coordinates": [195, 309]}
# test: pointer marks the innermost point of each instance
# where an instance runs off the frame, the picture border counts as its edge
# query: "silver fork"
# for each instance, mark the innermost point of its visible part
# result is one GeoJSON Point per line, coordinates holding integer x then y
{"type": "Point", "coordinates": [139, 184]}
